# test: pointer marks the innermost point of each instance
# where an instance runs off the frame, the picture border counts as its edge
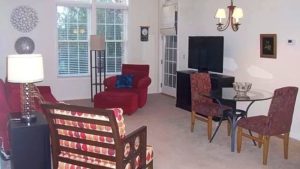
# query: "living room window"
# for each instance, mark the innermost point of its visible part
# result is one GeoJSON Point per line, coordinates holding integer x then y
{"type": "Point", "coordinates": [111, 17]}
{"type": "Point", "coordinates": [111, 24]}
{"type": "Point", "coordinates": [72, 27]}
{"type": "Point", "coordinates": [74, 22]}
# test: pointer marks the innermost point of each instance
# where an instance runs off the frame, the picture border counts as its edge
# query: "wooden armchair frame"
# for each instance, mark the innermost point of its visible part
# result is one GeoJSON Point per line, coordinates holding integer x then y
{"type": "Point", "coordinates": [80, 124]}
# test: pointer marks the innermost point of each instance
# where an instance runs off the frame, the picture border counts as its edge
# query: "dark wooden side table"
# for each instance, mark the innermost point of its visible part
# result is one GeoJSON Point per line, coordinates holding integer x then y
{"type": "Point", "coordinates": [30, 145]}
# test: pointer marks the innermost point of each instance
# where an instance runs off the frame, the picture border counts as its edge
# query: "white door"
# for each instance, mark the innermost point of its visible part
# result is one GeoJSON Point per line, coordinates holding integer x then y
{"type": "Point", "coordinates": [169, 65]}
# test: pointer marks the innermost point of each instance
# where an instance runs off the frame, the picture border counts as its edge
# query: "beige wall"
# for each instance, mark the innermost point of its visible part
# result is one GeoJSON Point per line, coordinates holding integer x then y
{"type": "Point", "coordinates": [144, 13]}
{"type": "Point", "coordinates": [44, 36]}
{"type": "Point", "coordinates": [242, 53]}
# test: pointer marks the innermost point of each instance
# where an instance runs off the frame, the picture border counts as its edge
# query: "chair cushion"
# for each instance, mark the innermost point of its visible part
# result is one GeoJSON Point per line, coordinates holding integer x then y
{"type": "Point", "coordinates": [210, 109]}
{"type": "Point", "coordinates": [85, 147]}
{"type": "Point", "coordinates": [119, 118]}
{"type": "Point", "coordinates": [255, 123]}
{"type": "Point", "coordinates": [124, 81]}
{"type": "Point", "coordinates": [100, 162]}
{"type": "Point", "coordinates": [149, 154]}
{"type": "Point", "coordinates": [122, 98]}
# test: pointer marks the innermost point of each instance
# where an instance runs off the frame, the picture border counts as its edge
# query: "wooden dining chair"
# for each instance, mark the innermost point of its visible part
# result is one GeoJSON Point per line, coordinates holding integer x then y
{"type": "Point", "coordinates": [276, 123]}
{"type": "Point", "coordinates": [203, 108]}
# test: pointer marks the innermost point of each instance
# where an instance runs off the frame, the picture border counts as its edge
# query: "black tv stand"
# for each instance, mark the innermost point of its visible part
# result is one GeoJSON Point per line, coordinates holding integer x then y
{"type": "Point", "coordinates": [203, 70]}
{"type": "Point", "coordinates": [183, 94]}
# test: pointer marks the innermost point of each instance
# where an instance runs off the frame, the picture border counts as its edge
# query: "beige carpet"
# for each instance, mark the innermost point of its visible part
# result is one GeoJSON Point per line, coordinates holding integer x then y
{"type": "Point", "coordinates": [175, 147]}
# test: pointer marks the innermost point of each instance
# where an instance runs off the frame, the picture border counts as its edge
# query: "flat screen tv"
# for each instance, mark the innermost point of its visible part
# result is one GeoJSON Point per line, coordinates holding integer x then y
{"type": "Point", "coordinates": [206, 53]}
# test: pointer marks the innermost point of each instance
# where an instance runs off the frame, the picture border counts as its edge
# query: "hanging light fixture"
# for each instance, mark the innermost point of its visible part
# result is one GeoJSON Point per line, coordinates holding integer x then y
{"type": "Point", "coordinates": [233, 17]}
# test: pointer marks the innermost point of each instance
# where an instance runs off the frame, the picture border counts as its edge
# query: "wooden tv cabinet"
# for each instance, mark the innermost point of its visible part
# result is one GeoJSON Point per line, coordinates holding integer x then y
{"type": "Point", "coordinates": [183, 94]}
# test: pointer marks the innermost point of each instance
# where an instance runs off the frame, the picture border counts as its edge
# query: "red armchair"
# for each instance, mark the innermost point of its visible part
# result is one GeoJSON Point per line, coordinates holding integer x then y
{"type": "Point", "coordinates": [141, 81]}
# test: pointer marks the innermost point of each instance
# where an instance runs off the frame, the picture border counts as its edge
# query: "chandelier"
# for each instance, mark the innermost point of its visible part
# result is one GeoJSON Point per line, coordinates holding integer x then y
{"type": "Point", "coordinates": [233, 17]}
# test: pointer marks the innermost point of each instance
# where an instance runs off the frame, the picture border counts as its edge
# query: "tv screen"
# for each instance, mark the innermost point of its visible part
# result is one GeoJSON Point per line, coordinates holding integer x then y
{"type": "Point", "coordinates": [206, 53]}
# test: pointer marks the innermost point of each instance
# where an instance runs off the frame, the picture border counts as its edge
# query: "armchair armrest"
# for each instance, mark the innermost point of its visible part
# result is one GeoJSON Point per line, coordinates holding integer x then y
{"type": "Point", "coordinates": [138, 144]}
{"type": "Point", "coordinates": [46, 93]}
{"type": "Point", "coordinates": [109, 83]}
{"type": "Point", "coordinates": [144, 82]}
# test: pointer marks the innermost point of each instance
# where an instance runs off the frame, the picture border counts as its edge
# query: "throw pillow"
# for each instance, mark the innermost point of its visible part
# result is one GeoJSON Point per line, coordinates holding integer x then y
{"type": "Point", "coordinates": [124, 81]}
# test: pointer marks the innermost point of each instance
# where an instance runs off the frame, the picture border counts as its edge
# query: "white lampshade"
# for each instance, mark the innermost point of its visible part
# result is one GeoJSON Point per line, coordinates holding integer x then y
{"type": "Point", "coordinates": [237, 14]}
{"type": "Point", "coordinates": [220, 13]}
{"type": "Point", "coordinates": [97, 42]}
{"type": "Point", "coordinates": [25, 68]}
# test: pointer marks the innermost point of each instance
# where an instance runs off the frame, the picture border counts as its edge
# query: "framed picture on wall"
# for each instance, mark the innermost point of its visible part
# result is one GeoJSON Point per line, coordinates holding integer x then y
{"type": "Point", "coordinates": [268, 45]}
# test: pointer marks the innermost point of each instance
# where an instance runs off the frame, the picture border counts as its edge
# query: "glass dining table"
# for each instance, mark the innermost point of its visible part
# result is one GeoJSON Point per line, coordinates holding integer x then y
{"type": "Point", "coordinates": [234, 114]}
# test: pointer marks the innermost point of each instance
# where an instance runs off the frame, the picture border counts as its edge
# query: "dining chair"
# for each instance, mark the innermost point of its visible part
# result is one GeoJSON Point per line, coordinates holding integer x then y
{"type": "Point", "coordinates": [203, 108]}
{"type": "Point", "coordinates": [276, 123]}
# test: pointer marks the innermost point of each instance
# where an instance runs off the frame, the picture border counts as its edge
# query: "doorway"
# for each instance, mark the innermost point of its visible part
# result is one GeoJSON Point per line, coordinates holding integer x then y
{"type": "Point", "coordinates": [169, 64]}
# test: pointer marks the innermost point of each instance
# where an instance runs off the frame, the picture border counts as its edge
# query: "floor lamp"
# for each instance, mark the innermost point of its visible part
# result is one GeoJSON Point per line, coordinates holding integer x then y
{"type": "Point", "coordinates": [25, 69]}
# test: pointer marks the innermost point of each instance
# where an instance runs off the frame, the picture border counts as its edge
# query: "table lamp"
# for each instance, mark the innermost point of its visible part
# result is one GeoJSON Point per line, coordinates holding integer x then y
{"type": "Point", "coordinates": [97, 42]}
{"type": "Point", "coordinates": [25, 69]}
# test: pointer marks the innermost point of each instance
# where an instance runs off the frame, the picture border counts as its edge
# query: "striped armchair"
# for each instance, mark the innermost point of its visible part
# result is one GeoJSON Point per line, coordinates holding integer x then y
{"type": "Point", "coordinates": [84, 137]}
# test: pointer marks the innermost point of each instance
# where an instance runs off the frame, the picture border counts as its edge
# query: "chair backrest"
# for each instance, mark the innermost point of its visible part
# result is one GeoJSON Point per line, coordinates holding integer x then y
{"type": "Point", "coordinates": [281, 110]}
{"type": "Point", "coordinates": [200, 83]}
{"type": "Point", "coordinates": [84, 136]}
{"type": "Point", "coordinates": [138, 71]}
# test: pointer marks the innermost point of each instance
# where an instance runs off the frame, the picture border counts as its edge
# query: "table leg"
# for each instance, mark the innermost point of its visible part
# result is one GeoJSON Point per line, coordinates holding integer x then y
{"type": "Point", "coordinates": [233, 129]}
{"type": "Point", "coordinates": [233, 118]}
{"type": "Point", "coordinates": [248, 107]}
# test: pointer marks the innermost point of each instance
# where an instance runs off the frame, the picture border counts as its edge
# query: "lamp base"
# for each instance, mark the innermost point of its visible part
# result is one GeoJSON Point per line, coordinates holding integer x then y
{"type": "Point", "coordinates": [28, 118]}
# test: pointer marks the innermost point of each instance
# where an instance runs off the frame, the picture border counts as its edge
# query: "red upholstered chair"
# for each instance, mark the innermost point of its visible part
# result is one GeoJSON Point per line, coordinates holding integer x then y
{"type": "Point", "coordinates": [277, 123]}
{"type": "Point", "coordinates": [203, 108]}
{"type": "Point", "coordinates": [141, 81]}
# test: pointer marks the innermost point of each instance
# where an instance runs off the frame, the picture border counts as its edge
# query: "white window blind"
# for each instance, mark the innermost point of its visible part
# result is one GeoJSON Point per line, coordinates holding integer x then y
{"type": "Point", "coordinates": [167, 26]}
{"type": "Point", "coordinates": [72, 27]}
{"type": "Point", "coordinates": [124, 2]}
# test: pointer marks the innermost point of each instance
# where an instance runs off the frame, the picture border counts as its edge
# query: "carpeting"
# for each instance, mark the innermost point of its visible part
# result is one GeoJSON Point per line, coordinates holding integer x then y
{"type": "Point", "coordinates": [175, 147]}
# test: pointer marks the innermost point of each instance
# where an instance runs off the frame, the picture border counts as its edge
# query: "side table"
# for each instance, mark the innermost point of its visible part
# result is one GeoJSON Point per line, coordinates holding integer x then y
{"type": "Point", "coordinates": [30, 145]}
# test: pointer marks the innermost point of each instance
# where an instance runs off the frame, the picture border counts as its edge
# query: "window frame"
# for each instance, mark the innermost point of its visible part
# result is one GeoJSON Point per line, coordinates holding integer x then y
{"type": "Point", "coordinates": [114, 41]}
{"type": "Point", "coordinates": [68, 5]}
{"type": "Point", "coordinates": [91, 6]}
